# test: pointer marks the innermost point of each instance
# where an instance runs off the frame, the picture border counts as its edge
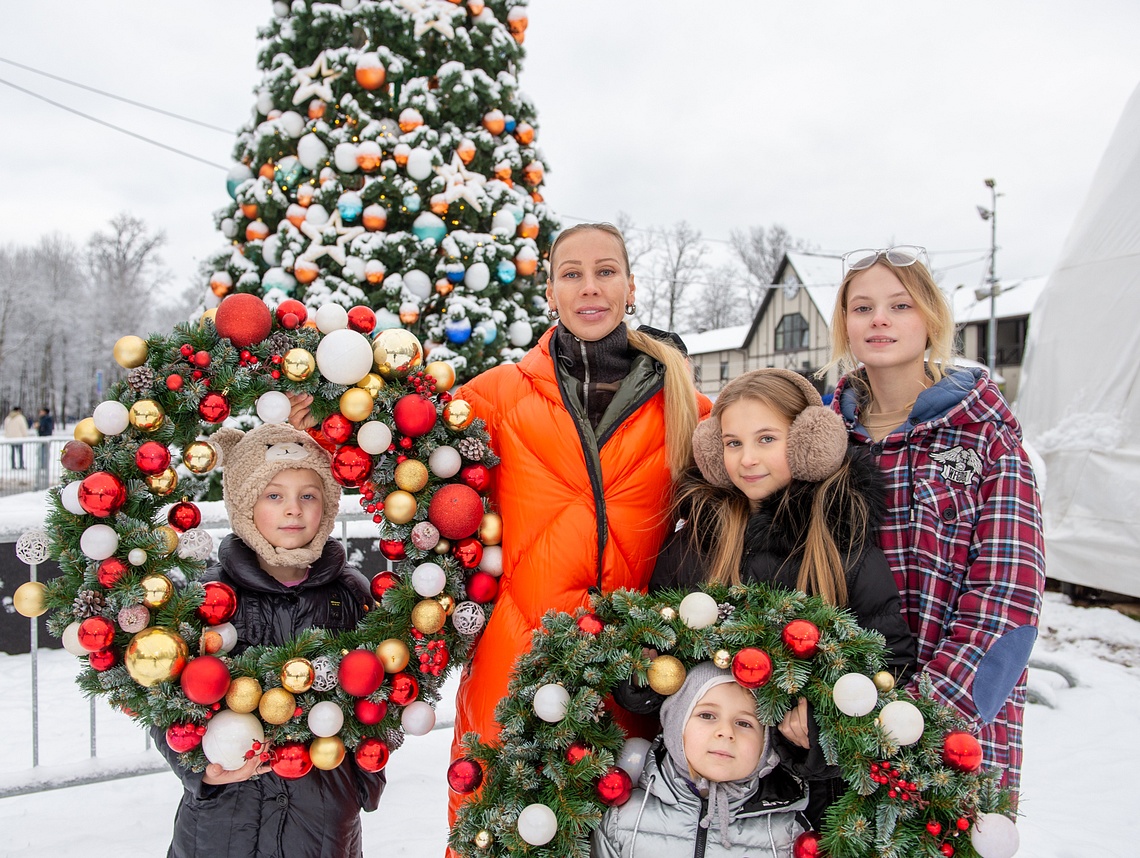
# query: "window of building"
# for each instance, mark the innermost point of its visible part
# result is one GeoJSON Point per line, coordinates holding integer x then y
{"type": "Point", "coordinates": [697, 374]}
{"type": "Point", "coordinates": [791, 333]}
{"type": "Point", "coordinates": [724, 372]}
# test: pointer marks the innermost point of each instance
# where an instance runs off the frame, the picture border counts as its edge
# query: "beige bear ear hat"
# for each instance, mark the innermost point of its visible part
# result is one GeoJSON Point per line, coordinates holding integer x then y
{"type": "Point", "coordinates": [250, 461]}
{"type": "Point", "coordinates": [817, 441]}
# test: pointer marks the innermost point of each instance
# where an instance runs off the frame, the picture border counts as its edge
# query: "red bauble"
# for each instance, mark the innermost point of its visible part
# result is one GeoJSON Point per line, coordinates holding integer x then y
{"type": "Point", "coordinates": [96, 633]}
{"type": "Point", "coordinates": [110, 571]}
{"type": "Point", "coordinates": [291, 314]}
{"type": "Point", "coordinates": [174, 381]}
{"type": "Point", "coordinates": [405, 689]}
{"type": "Point", "coordinates": [102, 494]}
{"type": "Point", "coordinates": [152, 458]}
{"type": "Point", "coordinates": [361, 319]}
{"type": "Point", "coordinates": [482, 587]}
{"type": "Point", "coordinates": [184, 516]}
{"type": "Point", "coordinates": [383, 581]}
{"type": "Point", "coordinates": [205, 679]}
{"type": "Point", "coordinates": [244, 318]}
{"type": "Point", "coordinates": [477, 477]}
{"type": "Point", "coordinates": [962, 751]}
{"type": "Point", "coordinates": [469, 552]}
{"type": "Point", "coordinates": [322, 439]}
{"type": "Point", "coordinates": [802, 638]}
{"type": "Point", "coordinates": [183, 737]}
{"type": "Point", "coordinates": [360, 672]}
{"type": "Point", "coordinates": [291, 760]}
{"type": "Point", "coordinates": [219, 605]}
{"type": "Point", "coordinates": [351, 465]}
{"type": "Point", "coordinates": [368, 712]}
{"type": "Point", "coordinates": [615, 787]}
{"type": "Point", "coordinates": [214, 408]}
{"type": "Point", "coordinates": [807, 846]}
{"type": "Point", "coordinates": [591, 624]}
{"type": "Point", "coordinates": [456, 511]}
{"type": "Point", "coordinates": [577, 752]}
{"type": "Point", "coordinates": [393, 549]}
{"type": "Point", "coordinates": [371, 754]}
{"type": "Point", "coordinates": [77, 456]}
{"type": "Point", "coordinates": [751, 667]}
{"type": "Point", "coordinates": [337, 428]}
{"type": "Point", "coordinates": [102, 660]}
{"type": "Point", "coordinates": [465, 775]}
{"type": "Point", "coordinates": [414, 415]}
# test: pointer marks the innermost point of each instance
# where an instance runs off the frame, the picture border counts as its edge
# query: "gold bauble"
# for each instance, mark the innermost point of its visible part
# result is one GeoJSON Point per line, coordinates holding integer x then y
{"type": "Point", "coordinates": [399, 507]}
{"type": "Point", "coordinates": [447, 603]}
{"type": "Point", "coordinates": [130, 351]}
{"type": "Point", "coordinates": [442, 547]}
{"type": "Point", "coordinates": [169, 537]}
{"type": "Point", "coordinates": [157, 590]}
{"type": "Point", "coordinates": [393, 654]}
{"type": "Point", "coordinates": [722, 658]}
{"type": "Point", "coordinates": [666, 675]}
{"type": "Point", "coordinates": [29, 599]}
{"type": "Point", "coordinates": [297, 675]}
{"type": "Point", "coordinates": [458, 414]}
{"type": "Point", "coordinates": [373, 383]}
{"type": "Point", "coordinates": [491, 529]}
{"type": "Point", "coordinates": [199, 457]}
{"type": "Point", "coordinates": [428, 616]}
{"type": "Point", "coordinates": [207, 316]}
{"type": "Point", "coordinates": [884, 681]}
{"type": "Point", "coordinates": [326, 752]}
{"type": "Point", "coordinates": [276, 706]}
{"type": "Point", "coordinates": [155, 655]}
{"type": "Point", "coordinates": [146, 415]}
{"type": "Point", "coordinates": [164, 483]}
{"type": "Point", "coordinates": [298, 364]}
{"type": "Point", "coordinates": [411, 475]}
{"type": "Point", "coordinates": [443, 373]}
{"type": "Point", "coordinates": [484, 839]}
{"type": "Point", "coordinates": [668, 614]}
{"type": "Point", "coordinates": [356, 404]}
{"type": "Point", "coordinates": [86, 432]}
{"type": "Point", "coordinates": [244, 694]}
{"type": "Point", "coordinates": [396, 352]}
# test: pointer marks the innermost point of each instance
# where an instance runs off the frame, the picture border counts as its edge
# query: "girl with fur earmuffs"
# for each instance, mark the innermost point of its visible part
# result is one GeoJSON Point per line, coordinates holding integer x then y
{"type": "Point", "coordinates": [778, 497]}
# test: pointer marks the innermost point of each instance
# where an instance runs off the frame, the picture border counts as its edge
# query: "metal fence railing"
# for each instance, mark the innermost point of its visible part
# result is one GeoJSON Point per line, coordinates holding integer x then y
{"type": "Point", "coordinates": [30, 464]}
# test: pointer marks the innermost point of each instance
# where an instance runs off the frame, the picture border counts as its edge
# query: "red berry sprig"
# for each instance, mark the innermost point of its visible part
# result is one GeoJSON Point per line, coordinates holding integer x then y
{"type": "Point", "coordinates": [422, 383]}
{"type": "Point", "coordinates": [885, 774]}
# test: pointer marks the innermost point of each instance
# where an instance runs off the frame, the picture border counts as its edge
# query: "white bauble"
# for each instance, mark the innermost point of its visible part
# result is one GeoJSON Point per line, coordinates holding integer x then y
{"type": "Point", "coordinates": [292, 123]}
{"type": "Point", "coordinates": [855, 694]}
{"type": "Point", "coordinates": [385, 318]}
{"type": "Point", "coordinates": [469, 618]}
{"type": "Point", "coordinates": [137, 557]}
{"type": "Point", "coordinates": [227, 632]}
{"type": "Point", "coordinates": [477, 276]}
{"type": "Point", "coordinates": [317, 215]}
{"type": "Point", "coordinates": [698, 610]}
{"type": "Point", "coordinates": [237, 174]}
{"type": "Point", "coordinates": [503, 221]}
{"type": "Point", "coordinates": [69, 497]}
{"type": "Point", "coordinates": [550, 702]}
{"type": "Point", "coordinates": [281, 10]}
{"type": "Point", "coordinates": [418, 283]}
{"type": "Point", "coordinates": [195, 544]}
{"type": "Point", "coordinates": [374, 437]}
{"type": "Point", "coordinates": [349, 5]}
{"type": "Point", "coordinates": [229, 227]}
{"type": "Point", "coordinates": [271, 250]}
{"type": "Point", "coordinates": [344, 356]}
{"type": "Point", "coordinates": [70, 639]}
{"type": "Point", "coordinates": [276, 278]}
{"type": "Point", "coordinates": [418, 718]}
{"type": "Point", "coordinates": [902, 722]}
{"type": "Point", "coordinates": [429, 579]}
{"type": "Point", "coordinates": [325, 719]}
{"type": "Point", "coordinates": [419, 165]}
{"type": "Point", "coordinates": [324, 674]}
{"type": "Point", "coordinates": [492, 562]}
{"type": "Point", "coordinates": [445, 462]}
{"type": "Point", "coordinates": [994, 836]}
{"type": "Point", "coordinates": [273, 407]}
{"type": "Point", "coordinates": [354, 266]}
{"type": "Point", "coordinates": [520, 334]}
{"type": "Point", "coordinates": [99, 541]}
{"type": "Point", "coordinates": [330, 317]}
{"type": "Point", "coordinates": [111, 417]}
{"type": "Point", "coordinates": [632, 756]}
{"type": "Point", "coordinates": [312, 152]}
{"type": "Point", "coordinates": [537, 824]}
{"type": "Point", "coordinates": [344, 156]}
{"type": "Point", "coordinates": [229, 735]}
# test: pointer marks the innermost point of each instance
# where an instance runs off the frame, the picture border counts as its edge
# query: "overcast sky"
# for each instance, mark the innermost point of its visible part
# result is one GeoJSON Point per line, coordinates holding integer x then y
{"type": "Point", "coordinates": [852, 124]}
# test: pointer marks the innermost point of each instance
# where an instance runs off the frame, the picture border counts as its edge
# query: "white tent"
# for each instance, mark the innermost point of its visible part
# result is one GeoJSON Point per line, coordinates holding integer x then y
{"type": "Point", "coordinates": [1079, 400]}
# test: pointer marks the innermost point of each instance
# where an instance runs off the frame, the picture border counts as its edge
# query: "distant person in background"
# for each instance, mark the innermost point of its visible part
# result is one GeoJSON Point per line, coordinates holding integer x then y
{"type": "Point", "coordinates": [45, 426]}
{"type": "Point", "coordinates": [16, 426]}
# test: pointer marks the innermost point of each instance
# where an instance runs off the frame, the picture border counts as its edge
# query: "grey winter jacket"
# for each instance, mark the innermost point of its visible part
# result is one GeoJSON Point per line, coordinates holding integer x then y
{"type": "Point", "coordinates": [662, 817]}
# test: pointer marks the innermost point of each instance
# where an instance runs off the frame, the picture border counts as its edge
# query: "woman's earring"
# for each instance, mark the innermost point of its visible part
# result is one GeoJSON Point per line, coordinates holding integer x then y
{"type": "Point", "coordinates": [630, 309]}
{"type": "Point", "coordinates": [552, 314]}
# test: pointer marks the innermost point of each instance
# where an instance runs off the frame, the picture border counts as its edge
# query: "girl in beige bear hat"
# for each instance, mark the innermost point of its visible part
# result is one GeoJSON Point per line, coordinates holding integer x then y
{"type": "Point", "coordinates": [289, 576]}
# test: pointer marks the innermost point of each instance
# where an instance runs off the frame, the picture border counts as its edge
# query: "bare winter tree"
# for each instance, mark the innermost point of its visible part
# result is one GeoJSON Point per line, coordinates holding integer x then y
{"type": "Point", "coordinates": [720, 302]}
{"type": "Point", "coordinates": [678, 263]}
{"type": "Point", "coordinates": [760, 251]}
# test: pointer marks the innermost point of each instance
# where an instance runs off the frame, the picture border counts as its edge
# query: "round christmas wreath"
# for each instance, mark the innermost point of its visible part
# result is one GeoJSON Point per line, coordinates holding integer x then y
{"type": "Point", "coordinates": [917, 787]}
{"type": "Point", "coordinates": [156, 641]}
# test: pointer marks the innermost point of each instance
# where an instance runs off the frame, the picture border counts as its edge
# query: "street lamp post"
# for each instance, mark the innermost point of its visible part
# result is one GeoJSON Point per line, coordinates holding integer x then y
{"type": "Point", "coordinates": [990, 214]}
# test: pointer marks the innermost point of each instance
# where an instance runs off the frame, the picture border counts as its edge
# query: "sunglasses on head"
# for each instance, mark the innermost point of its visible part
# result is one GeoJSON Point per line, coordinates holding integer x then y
{"type": "Point", "coordinates": [901, 255]}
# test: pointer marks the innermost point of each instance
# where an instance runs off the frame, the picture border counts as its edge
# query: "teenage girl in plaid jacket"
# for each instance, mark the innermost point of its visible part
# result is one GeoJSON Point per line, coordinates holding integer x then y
{"type": "Point", "coordinates": [963, 530]}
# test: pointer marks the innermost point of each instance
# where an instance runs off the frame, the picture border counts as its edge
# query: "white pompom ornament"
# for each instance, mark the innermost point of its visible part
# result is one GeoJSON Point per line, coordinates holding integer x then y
{"type": "Point", "coordinates": [995, 836]}
{"type": "Point", "coordinates": [429, 579]}
{"type": "Point", "coordinates": [855, 694]}
{"type": "Point", "coordinates": [273, 407]}
{"type": "Point", "coordinates": [698, 610]}
{"type": "Point", "coordinates": [374, 437]}
{"type": "Point", "coordinates": [902, 722]}
{"type": "Point", "coordinates": [325, 719]}
{"type": "Point", "coordinates": [111, 417]}
{"type": "Point", "coordinates": [537, 824]}
{"type": "Point", "coordinates": [418, 718]}
{"type": "Point", "coordinates": [551, 702]}
{"type": "Point", "coordinates": [445, 462]}
{"type": "Point", "coordinates": [99, 541]}
{"type": "Point", "coordinates": [229, 735]}
{"type": "Point", "coordinates": [344, 357]}
{"type": "Point", "coordinates": [633, 755]}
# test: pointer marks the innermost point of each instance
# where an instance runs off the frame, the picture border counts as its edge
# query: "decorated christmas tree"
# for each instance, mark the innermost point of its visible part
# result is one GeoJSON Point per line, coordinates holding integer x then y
{"type": "Point", "coordinates": [391, 162]}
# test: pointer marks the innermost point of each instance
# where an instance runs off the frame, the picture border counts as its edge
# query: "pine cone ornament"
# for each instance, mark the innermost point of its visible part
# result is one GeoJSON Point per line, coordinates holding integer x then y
{"type": "Point", "coordinates": [279, 343]}
{"type": "Point", "coordinates": [472, 449]}
{"type": "Point", "coordinates": [87, 603]}
{"type": "Point", "coordinates": [141, 379]}
{"type": "Point", "coordinates": [724, 612]}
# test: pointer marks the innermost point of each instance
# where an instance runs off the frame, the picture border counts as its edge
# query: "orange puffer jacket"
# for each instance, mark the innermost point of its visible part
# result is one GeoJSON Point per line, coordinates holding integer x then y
{"type": "Point", "coordinates": [578, 512]}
